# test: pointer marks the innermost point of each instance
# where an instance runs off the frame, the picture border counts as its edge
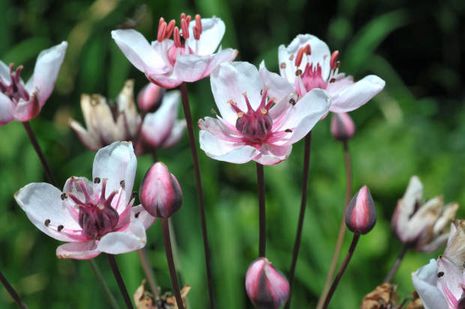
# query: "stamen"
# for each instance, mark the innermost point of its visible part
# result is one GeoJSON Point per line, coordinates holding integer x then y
{"type": "Point", "coordinates": [197, 27]}
{"type": "Point", "coordinates": [176, 37]}
{"type": "Point", "coordinates": [170, 28]}
{"type": "Point", "coordinates": [64, 196]}
{"type": "Point", "coordinates": [60, 228]}
{"type": "Point", "coordinates": [185, 28]}
{"type": "Point", "coordinates": [334, 63]}
{"type": "Point", "coordinates": [47, 222]}
{"type": "Point", "coordinates": [161, 30]}
{"type": "Point", "coordinates": [292, 101]}
{"type": "Point", "coordinates": [249, 106]}
{"type": "Point", "coordinates": [288, 131]}
{"type": "Point", "coordinates": [122, 183]}
{"type": "Point", "coordinates": [97, 180]}
{"type": "Point", "coordinates": [306, 50]}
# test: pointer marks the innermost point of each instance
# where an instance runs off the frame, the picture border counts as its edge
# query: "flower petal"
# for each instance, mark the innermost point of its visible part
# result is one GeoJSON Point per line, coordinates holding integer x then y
{"type": "Point", "coordinates": [449, 281]}
{"type": "Point", "coordinates": [222, 150]}
{"type": "Point", "coordinates": [212, 32]}
{"type": "Point", "coordinates": [138, 213]}
{"type": "Point", "coordinates": [424, 280]}
{"type": "Point", "coordinates": [116, 162]}
{"type": "Point", "coordinates": [6, 109]}
{"type": "Point", "coordinates": [78, 250]}
{"type": "Point", "coordinates": [168, 81]}
{"type": "Point", "coordinates": [353, 96]}
{"type": "Point", "coordinates": [229, 82]}
{"type": "Point", "coordinates": [139, 52]}
{"type": "Point", "coordinates": [131, 239]}
{"type": "Point", "coordinates": [43, 205]}
{"type": "Point", "coordinates": [273, 154]}
{"type": "Point", "coordinates": [176, 133]}
{"type": "Point", "coordinates": [157, 126]}
{"type": "Point", "coordinates": [278, 87]}
{"type": "Point", "coordinates": [26, 110]}
{"type": "Point", "coordinates": [87, 138]}
{"type": "Point", "coordinates": [46, 71]}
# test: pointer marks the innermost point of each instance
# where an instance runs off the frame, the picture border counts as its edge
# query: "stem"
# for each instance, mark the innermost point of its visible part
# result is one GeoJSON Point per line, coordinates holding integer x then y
{"type": "Point", "coordinates": [342, 225]}
{"type": "Point", "coordinates": [12, 291]}
{"type": "Point", "coordinates": [261, 210]}
{"type": "Point", "coordinates": [396, 265]}
{"type": "Point", "coordinates": [40, 154]}
{"type": "Point", "coordinates": [98, 274]}
{"type": "Point", "coordinates": [119, 280]}
{"type": "Point", "coordinates": [303, 206]}
{"type": "Point", "coordinates": [200, 196]}
{"type": "Point", "coordinates": [339, 275]}
{"type": "Point", "coordinates": [144, 261]}
{"type": "Point", "coordinates": [170, 260]}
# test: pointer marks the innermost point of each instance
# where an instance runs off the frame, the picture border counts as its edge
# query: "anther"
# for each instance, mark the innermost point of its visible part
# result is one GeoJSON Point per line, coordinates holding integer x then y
{"type": "Point", "coordinates": [298, 72]}
{"type": "Point", "coordinates": [97, 180]}
{"type": "Point", "coordinates": [161, 31]}
{"type": "Point", "coordinates": [176, 37]}
{"type": "Point", "coordinates": [137, 215]}
{"type": "Point", "coordinates": [282, 65]}
{"type": "Point", "coordinates": [334, 63]}
{"type": "Point", "coordinates": [60, 228]}
{"type": "Point", "coordinates": [197, 27]}
{"type": "Point", "coordinates": [288, 131]}
{"type": "Point", "coordinates": [440, 274]}
{"type": "Point", "coordinates": [170, 28]}
{"type": "Point", "coordinates": [122, 183]}
{"type": "Point", "coordinates": [300, 54]}
{"type": "Point", "coordinates": [64, 196]}
{"type": "Point", "coordinates": [185, 28]}
{"type": "Point", "coordinates": [47, 222]}
{"type": "Point", "coordinates": [292, 101]}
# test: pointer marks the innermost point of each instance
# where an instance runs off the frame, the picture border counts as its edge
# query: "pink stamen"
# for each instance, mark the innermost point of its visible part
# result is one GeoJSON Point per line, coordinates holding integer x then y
{"type": "Point", "coordinates": [161, 35]}
{"type": "Point", "coordinates": [306, 50]}
{"type": "Point", "coordinates": [334, 63]}
{"type": "Point", "coordinates": [177, 37]}
{"type": "Point", "coordinates": [170, 28]}
{"type": "Point", "coordinates": [185, 28]}
{"type": "Point", "coordinates": [197, 27]}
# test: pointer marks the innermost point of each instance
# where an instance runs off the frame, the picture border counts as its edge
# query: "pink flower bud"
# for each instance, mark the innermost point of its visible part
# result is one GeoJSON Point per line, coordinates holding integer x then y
{"type": "Point", "coordinates": [160, 192]}
{"type": "Point", "coordinates": [149, 97]}
{"type": "Point", "coordinates": [360, 214]}
{"type": "Point", "coordinates": [342, 126]}
{"type": "Point", "coordinates": [265, 286]}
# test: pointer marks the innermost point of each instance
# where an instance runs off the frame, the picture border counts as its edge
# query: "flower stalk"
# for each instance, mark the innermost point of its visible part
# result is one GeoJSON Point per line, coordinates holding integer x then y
{"type": "Point", "coordinates": [199, 189]}
{"type": "Point", "coordinates": [10, 289]}
{"type": "Point", "coordinates": [119, 280]}
{"type": "Point", "coordinates": [303, 205]}
{"type": "Point", "coordinates": [261, 211]}
{"type": "Point", "coordinates": [145, 263]}
{"type": "Point", "coordinates": [396, 264]}
{"type": "Point", "coordinates": [170, 260]}
{"type": "Point", "coordinates": [101, 280]}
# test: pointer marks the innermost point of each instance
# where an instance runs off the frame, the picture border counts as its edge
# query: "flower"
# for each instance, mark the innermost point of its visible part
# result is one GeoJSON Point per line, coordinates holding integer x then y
{"type": "Point", "coordinates": [160, 192]}
{"type": "Point", "coordinates": [308, 64]}
{"type": "Point", "coordinates": [441, 283]}
{"type": "Point", "coordinates": [360, 214]}
{"type": "Point", "coordinates": [422, 225]}
{"type": "Point", "coordinates": [265, 286]}
{"type": "Point", "coordinates": [106, 124]}
{"type": "Point", "coordinates": [23, 101]}
{"type": "Point", "coordinates": [260, 119]}
{"type": "Point", "coordinates": [187, 57]}
{"type": "Point", "coordinates": [91, 216]}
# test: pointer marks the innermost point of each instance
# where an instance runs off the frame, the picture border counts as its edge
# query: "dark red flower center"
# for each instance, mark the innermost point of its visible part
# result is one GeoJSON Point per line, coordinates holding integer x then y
{"type": "Point", "coordinates": [14, 89]}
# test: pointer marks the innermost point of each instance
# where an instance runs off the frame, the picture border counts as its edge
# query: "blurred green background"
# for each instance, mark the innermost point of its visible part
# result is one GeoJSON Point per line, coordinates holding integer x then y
{"type": "Point", "coordinates": [416, 126]}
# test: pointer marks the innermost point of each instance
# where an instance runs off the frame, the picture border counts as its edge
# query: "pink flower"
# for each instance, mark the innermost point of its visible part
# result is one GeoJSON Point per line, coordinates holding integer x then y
{"type": "Point", "coordinates": [187, 57]}
{"type": "Point", "coordinates": [23, 101]}
{"type": "Point", "coordinates": [308, 64]}
{"type": "Point", "coordinates": [91, 216]}
{"type": "Point", "coordinates": [260, 119]}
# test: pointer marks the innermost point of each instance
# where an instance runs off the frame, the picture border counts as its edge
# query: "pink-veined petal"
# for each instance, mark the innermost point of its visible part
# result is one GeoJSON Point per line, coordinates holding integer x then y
{"type": "Point", "coordinates": [424, 280]}
{"type": "Point", "coordinates": [139, 52]}
{"type": "Point", "coordinates": [355, 95]}
{"type": "Point", "coordinates": [131, 239]}
{"type": "Point", "coordinates": [78, 250]}
{"type": "Point", "coordinates": [168, 81]}
{"type": "Point", "coordinates": [26, 110]}
{"type": "Point", "coordinates": [46, 71]}
{"type": "Point", "coordinates": [212, 32]}
{"type": "Point", "coordinates": [450, 281]}
{"type": "Point", "coordinates": [6, 109]}
{"type": "Point", "coordinates": [272, 154]}
{"type": "Point", "coordinates": [43, 205]}
{"type": "Point", "coordinates": [116, 162]}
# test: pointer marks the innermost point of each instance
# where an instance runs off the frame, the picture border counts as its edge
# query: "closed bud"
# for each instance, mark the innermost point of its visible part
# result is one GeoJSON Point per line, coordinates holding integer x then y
{"type": "Point", "coordinates": [360, 214]}
{"type": "Point", "coordinates": [160, 192]}
{"type": "Point", "coordinates": [266, 286]}
{"type": "Point", "coordinates": [149, 98]}
{"type": "Point", "coordinates": [342, 126]}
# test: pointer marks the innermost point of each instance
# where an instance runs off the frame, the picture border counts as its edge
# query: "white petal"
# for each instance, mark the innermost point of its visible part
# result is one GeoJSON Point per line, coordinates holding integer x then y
{"type": "Point", "coordinates": [449, 281]}
{"type": "Point", "coordinates": [229, 82]}
{"type": "Point", "coordinates": [116, 162]}
{"type": "Point", "coordinates": [278, 87]}
{"type": "Point", "coordinates": [353, 96]}
{"type": "Point", "coordinates": [176, 133]}
{"type": "Point", "coordinates": [212, 32]}
{"type": "Point", "coordinates": [138, 213]}
{"type": "Point", "coordinates": [139, 52]}
{"type": "Point", "coordinates": [157, 126]}
{"type": "Point", "coordinates": [78, 250]}
{"type": "Point", "coordinates": [304, 115]}
{"type": "Point", "coordinates": [46, 71]}
{"type": "Point", "coordinates": [272, 154]}
{"type": "Point", "coordinates": [6, 109]}
{"type": "Point", "coordinates": [424, 280]}
{"type": "Point", "coordinates": [131, 239]}
{"type": "Point", "coordinates": [42, 202]}
{"type": "Point", "coordinates": [87, 138]}
{"type": "Point", "coordinates": [222, 150]}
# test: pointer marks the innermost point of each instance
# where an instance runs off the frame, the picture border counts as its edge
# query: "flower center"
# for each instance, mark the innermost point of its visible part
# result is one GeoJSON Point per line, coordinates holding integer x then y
{"type": "Point", "coordinates": [14, 89]}
{"type": "Point", "coordinates": [97, 217]}
{"type": "Point", "coordinates": [255, 125]}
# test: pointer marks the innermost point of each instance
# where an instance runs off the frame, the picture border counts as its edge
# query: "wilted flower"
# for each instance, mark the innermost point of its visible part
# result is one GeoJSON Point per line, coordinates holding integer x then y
{"type": "Point", "coordinates": [420, 225]}
{"type": "Point", "coordinates": [107, 124]}
{"type": "Point", "coordinates": [342, 126]}
{"type": "Point", "coordinates": [383, 297]}
{"type": "Point", "coordinates": [265, 286]}
{"type": "Point", "coordinates": [160, 192]}
{"type": "Point", "coordinates": [187, 57]}
{"type": "Point", "coordinates": [360, 214]}
{"type": "Point", "coordinates": [23, 101]}
{"type": "Point", "coordinates": [260, 119]}
{"type": "Point", "coordinates": [149, 98]}
{"type": "Point", "coordinates": [307, 63]}
{"type": "Point", "coordinates": [91, 216]}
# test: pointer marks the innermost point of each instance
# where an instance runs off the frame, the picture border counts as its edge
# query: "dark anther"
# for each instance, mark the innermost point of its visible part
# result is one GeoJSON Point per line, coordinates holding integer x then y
{"type": "Point", "coordinates": [298, 72]}
{"type": "Point", "coordinates": [288, 131]}
{"type": "Point", "coordinates": [64, 196]}
{"type": "Point", "coordinates": [440, 274]}
{"type": "Point", "coordinates": [47, 222]}
{"type": "Point", "coordinates": [292, 101]}
{"type": "Point", "coordinates": [60, 228]}
{"type": "Point", "coordinates": [96, 180]}
{"type": "Point", "coordinates": [122, 183]}
{"type": "Point", "coordinates": [137, 214]}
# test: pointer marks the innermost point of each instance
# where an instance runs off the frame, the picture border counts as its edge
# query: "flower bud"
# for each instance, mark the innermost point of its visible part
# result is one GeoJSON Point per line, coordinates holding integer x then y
{"type": "Point", "coordinates": [160, 192]}
{"type": "Point", "coordinates": [265, 286]}
{"type": "Point", "coordinates": [342, 126]}
{"type": "Point", "coordinates": [149, 97]}
{"type": "Point", "coordinates": [360, 214]}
